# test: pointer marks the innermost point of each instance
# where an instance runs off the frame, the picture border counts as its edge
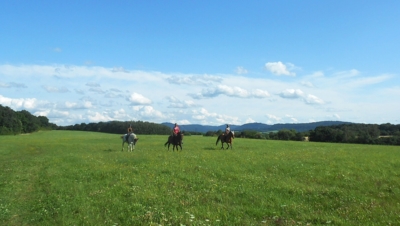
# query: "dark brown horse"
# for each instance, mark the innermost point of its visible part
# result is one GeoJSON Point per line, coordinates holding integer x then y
{"type": "Point", "coordinates": [226, 138]}
{"type": "Point", "coordinates": [175, 140]}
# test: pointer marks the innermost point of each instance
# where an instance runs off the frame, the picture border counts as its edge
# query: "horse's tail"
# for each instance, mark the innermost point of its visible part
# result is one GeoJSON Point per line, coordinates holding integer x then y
{"type": "Point", "coordinates": [219, 137]}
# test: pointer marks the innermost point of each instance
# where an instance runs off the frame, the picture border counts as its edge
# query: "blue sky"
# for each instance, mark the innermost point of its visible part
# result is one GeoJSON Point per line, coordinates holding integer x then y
{"type": "Point", "coordinates": [202, 62]}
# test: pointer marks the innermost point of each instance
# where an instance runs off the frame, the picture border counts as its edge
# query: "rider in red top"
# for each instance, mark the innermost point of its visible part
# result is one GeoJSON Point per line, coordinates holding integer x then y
{"type": "Point", "coordinates": [176, 129]}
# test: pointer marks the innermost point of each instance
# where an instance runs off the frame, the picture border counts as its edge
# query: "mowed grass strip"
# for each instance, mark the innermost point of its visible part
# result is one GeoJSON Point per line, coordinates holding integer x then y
{"type": "Point", "coordinates": [83, 178]}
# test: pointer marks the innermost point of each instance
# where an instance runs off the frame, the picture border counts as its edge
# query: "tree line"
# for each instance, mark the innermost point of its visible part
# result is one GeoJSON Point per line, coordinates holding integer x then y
{"type": "Point", "coordinates": [358, 133]}
{"type": "Point", "coordinates": [119, 127]}
{"type": "Point", "coordinates": [17, 122]}
{"type": "Point", "coordinates": [387, 134]}
{"type": "Point", "coordinates": [283, 134]}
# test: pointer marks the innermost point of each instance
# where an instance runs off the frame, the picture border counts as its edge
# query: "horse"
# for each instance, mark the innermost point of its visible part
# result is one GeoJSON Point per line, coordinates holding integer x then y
{"type": "Point", "coordinates": [226, 138]}
{"type": "Point", "coordinates": [130, 140]}
{"type": "Point", "coordinates": [175, 140]}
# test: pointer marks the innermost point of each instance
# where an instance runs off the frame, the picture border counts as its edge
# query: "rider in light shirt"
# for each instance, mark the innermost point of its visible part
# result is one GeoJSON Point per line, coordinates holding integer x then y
{"type": "Point", "coordinates": [227, 129]}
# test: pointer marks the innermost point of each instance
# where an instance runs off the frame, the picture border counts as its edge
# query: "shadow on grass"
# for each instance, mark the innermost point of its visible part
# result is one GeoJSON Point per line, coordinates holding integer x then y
{"type": "Point", "coordinates": [210, 148]}
{"type": "Point", "coordinates": [108, 150]}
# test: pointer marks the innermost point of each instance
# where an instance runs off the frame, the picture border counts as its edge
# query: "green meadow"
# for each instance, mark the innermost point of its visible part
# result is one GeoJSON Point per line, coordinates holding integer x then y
{"type": "Point", "coordinates": [83, 178]}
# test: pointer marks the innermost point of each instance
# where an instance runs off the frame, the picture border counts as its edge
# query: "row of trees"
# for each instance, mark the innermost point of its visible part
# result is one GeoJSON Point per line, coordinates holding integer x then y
{"type": "Point", "coordinates": [17, 122]}
{"type": "Point", "coordinates": [118, 127]}
{"type": "Point", "coordinates": [283, 134]}
{"type": "Point", "coordinates": [387, 134]}
{"type": "Point", "coordinates": [358, 133]}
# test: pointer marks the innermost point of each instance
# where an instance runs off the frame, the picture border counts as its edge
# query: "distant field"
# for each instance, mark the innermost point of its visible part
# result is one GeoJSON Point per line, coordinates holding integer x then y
{"type": "Point", "coordinates": [83, 178]}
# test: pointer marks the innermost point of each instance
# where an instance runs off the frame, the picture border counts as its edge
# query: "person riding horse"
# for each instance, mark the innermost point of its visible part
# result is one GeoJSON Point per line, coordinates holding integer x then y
{"type": "Point", "coordinates": [176, 130]}
{"type": "Point", "coordinates": [227, 129]}
{"type": "Point", "coordinates": [130, 131]}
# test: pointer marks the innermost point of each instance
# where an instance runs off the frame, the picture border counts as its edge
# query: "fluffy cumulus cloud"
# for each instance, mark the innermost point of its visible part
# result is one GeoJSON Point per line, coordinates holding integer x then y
{"type": "Point", "coordinates": [19, 103]}
{"type": "Point", "coordinates": [138, 99]}
{"type": "Point", "coordinates": [278, 68]}
{"type": "Point", "coordinates": [313, 100]}
{"type": "Point", "coordinates": [291, 93]}
{"type": "Point", "coordinates": [148, 112]}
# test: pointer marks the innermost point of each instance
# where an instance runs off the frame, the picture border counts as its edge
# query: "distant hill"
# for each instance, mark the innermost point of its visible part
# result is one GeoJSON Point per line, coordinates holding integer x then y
{"type": "Point", "coordinates": [261, 127]}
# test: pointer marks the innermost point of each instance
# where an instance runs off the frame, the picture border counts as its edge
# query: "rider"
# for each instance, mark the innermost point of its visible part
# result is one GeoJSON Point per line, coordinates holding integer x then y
{"type": "Point", "coordinates": [176, 130]}
{"type": "Point", "coordinates": [130, 131]}
{"type": "Point", "coordinates": [227, 129]}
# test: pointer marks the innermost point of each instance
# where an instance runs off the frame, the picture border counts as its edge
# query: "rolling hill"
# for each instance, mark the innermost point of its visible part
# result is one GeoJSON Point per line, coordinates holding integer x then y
{"type": "Point", "coordinates": [261, 127]}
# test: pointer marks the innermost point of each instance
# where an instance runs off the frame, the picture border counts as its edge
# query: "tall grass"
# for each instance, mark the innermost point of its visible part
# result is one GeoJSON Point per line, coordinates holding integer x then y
{"type": "Point", "coordinates": [83, 178]}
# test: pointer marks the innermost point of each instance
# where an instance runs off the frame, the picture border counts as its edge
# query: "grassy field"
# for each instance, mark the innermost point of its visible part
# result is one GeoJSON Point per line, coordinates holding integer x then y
{"type": "Point", "coordinates": [83, 178]}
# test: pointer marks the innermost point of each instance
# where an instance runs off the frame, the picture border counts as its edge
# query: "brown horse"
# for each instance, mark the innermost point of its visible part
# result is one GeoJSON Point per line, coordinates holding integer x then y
{"type": "Point", "coordinates": [226, 138]}
{"type": "Point", "coordinates": [175, 141]}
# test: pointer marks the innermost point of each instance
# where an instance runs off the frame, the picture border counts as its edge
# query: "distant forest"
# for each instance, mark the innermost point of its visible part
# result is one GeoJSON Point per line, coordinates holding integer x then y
{"type": "Point", "coordinates": [17, 122]}
{"type": "Point", "coordinates": [118, 127]}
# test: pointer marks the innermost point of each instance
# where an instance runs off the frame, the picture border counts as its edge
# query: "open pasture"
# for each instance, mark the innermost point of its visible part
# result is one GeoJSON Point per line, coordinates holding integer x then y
{"type": "Point", "coordinates": [83, 178]}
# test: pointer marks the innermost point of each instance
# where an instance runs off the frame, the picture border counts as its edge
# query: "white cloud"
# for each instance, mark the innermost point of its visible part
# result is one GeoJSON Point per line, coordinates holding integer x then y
{"type": "Point", "coordinates": [347, 74]}
{"type": "Point", "coordinates": [241, 70]}
{"type": "Point", "coordinates": [176, 103]}
{"type": "Point", "coordinates": [98, 117]}
{"type": "Point", "coordinates": [138, 99]}
{"type": "Point", "coordinates": [258, 93]}
{"type": "Point", "coordinates": [199, 80]}
{"type": "Point", "coordinates": [278, 68]}
{"type": "Point", "coordinates": [307, 84]}
{"type": "Point", "coordinates": [273, 119]}
{"type": "Point", "coordinates": [119, 69]}
{"type": "Point", "coordinates": [249, 120]}
{"type": "Point", "coordinates": [203, 116]}
{"type": "Point", "coordinates": [291, 93]}
{"type": "Point", "coordinates": [231, 92]}
{"type": "Point", "coordinates": [311, 99]}
{"type": "Point", "coordinates": [148, 112]}
{"type": "Point", "coordinates": [19, 103]}
{"type": "Point", "coordinates": [12, 85]}
{"type": "Point", "coordinates": [97, 92]}
{"type": "Point", "coordinates": [52, 89]}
